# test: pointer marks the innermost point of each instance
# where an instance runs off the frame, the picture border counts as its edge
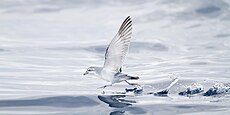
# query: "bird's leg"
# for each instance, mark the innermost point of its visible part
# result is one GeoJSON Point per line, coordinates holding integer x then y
{"type": "Point", "coordinates": [103, 87]}
{"type": "Point", "coordinates": [132, 83]}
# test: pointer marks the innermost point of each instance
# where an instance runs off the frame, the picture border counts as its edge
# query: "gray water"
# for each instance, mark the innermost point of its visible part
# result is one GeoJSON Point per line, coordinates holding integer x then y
{"type": "Point", "coordinates": [46, 46]}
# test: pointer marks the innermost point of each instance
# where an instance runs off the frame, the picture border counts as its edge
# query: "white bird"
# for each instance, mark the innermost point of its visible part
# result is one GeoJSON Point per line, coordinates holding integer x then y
{"type": "Point", "coordinates": [114, 57]}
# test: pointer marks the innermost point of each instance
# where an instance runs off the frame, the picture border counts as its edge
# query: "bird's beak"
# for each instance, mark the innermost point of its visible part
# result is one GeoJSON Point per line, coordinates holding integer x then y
{"type": "Point", "coordinates": [86, 73]}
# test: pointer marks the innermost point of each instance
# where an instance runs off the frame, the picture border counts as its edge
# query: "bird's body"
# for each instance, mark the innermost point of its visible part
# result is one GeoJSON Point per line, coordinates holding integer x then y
{"type": "Point", "coordinates": [114, 57]}
{"type": "Point", "coordinates": [107, 75]}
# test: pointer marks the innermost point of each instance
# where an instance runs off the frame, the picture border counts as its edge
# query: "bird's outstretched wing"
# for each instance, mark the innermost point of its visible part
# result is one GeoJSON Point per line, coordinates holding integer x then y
{"type": "Point", "coordinates": [118, 47]}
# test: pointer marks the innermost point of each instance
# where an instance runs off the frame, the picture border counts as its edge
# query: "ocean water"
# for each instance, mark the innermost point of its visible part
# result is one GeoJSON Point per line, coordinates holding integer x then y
{"type": "Point", "coordinates": [46, 46]}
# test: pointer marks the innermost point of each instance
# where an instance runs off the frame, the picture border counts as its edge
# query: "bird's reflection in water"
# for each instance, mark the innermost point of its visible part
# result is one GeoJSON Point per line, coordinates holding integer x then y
{"type": "Point", "coordinates": [121, 104]}
{"type": "Point", "coordinates": [116, 101]}
{"type": "Point", "coordinates": [117, 113]}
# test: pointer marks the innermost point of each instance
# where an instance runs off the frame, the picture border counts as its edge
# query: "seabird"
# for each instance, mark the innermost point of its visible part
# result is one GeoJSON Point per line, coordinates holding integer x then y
{"type": "Point", "coordinates": [115, 56]}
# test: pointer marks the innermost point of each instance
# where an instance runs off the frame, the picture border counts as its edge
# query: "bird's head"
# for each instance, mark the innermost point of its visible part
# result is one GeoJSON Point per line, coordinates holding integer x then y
{"type": "Point", "coordinates": [90, 70]}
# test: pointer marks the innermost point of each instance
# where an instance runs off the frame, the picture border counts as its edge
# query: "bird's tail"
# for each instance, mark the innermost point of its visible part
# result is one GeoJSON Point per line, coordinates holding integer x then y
{"type": "Point", "coordinates": [133, 77]}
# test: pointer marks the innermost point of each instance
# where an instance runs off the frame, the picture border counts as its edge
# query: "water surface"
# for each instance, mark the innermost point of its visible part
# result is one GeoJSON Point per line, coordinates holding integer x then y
{"type": "Point", "coordinates": [46, 45]}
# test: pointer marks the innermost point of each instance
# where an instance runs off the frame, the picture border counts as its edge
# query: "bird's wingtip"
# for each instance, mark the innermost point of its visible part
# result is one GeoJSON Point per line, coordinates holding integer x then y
{"type": "Point", "coordinates": [134, 78]}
